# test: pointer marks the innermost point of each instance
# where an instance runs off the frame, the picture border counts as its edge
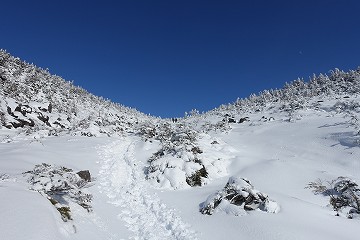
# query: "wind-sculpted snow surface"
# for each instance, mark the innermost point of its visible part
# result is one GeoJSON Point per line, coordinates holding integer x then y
{"type": "Point", "coordinates": [122, 179]}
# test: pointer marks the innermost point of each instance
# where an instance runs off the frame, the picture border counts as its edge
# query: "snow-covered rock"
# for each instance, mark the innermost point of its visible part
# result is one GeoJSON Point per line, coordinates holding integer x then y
{"type": "Point", "coordinates": [60, 185]}
{"type": "Point", "coordinates": [236, 197]}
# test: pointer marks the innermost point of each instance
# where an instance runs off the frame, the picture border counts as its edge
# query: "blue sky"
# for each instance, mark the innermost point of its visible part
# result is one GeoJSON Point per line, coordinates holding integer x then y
{"type": "Point", "coordinates": [168, 57]}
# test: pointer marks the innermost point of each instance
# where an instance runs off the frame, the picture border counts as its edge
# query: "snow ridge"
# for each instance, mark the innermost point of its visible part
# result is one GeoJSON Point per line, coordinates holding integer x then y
{"type": "Point", "coordinates": [122, 179]}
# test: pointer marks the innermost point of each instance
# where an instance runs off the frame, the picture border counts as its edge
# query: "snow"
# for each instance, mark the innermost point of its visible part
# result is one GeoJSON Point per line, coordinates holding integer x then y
{"type": "Point", "coordinates": [288, 139]}
{"type": "Point", "coordinates": [27, 215]}
{"type": "Point", "coordinates": [279, 158]}
{"type": "Point", "coordinates": [125, 185]}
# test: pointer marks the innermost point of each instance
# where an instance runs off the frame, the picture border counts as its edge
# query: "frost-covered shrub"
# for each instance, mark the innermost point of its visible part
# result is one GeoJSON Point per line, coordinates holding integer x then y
{"type": "Point", "coordinates": [147, 131]}
{"type": "Point", "coordinates": [64, 211]}
{"type": "Point", "coordinates": [4, 176]}
{"type": "Point", "coordinates": [2, 119]}
{"type": "Point", "coordinates": [295, 95]}
{"type": "Point", "coordinates": [220, 126]}
{"type": "Point", "coordinates": [237, 197]}
{"type": "Point", "coordinates": [177, 163]}
{"type": "Point", "coordinates": [196, 179]}
{"type": "Point", "coordinates": [60, 185]}
{"type": "Point", "coordinates": [38, 99]}
{"type": "Point", "coordinates": [346, 106]}
{"type": "Point", "coordinates": [344, 194]}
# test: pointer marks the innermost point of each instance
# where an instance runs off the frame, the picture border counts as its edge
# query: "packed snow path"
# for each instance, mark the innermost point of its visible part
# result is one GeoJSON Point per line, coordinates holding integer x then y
{"type": "Point", "coordinates": [122, 179]}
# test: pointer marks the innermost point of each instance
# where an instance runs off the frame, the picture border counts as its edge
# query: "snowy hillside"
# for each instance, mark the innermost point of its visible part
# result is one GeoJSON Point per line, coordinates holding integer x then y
{"type": "Point", "coordinates": [33, 100]}
{"type": "Point", "coordinates": [283, 164]}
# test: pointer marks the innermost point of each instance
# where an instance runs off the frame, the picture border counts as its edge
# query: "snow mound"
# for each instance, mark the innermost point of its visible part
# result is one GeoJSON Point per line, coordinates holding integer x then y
{"type": "Point", "coordinates": [60, 185]}
{"type": "Point", "coordinates": [177, 164]}
{"type": "Point", "coordinates": [344, 195]}
{"type": "Point", "coordinates": [237, 197]}
{"type": "Point", "coordinates": [186, 157]}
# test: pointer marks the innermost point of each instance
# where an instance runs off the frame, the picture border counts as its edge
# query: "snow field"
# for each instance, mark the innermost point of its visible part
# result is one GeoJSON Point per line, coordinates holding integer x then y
{"type": "Point", "coordinates": [279, 158]}
{"type": "Point", "coordinates": [288, 138]}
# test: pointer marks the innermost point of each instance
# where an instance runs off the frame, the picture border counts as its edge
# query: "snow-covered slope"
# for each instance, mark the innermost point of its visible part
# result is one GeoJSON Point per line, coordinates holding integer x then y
{"type": "Point", "coordinates": [241, 171]}
{"type": "Point", "coordinates": [31, 99]}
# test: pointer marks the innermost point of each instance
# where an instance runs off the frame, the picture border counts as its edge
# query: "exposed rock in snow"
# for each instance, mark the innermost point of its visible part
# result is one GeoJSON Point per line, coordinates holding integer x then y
{"type": "Point", "coordinates": [60, 185]}
{"type": "Point", "coordinates": [85, 175]}
{"type": "Point", "coordinates": [236, 197]}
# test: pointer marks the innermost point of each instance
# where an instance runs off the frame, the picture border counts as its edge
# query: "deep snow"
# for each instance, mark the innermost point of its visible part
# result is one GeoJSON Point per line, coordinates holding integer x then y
{"type": "Point", "coordinates": [279, 158]}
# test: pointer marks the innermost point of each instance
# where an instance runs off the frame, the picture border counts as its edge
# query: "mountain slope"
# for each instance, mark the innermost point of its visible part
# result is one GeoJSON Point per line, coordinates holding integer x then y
{"type": "Point", "coordinates": [151, 179]}
{"type": "Point", "coordinates": [32, 99]}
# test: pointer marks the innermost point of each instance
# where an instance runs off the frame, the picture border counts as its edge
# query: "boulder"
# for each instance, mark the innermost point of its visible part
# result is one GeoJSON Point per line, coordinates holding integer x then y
{"type": "Point", "coordinates": [244, 119]}
{"type": "Point", "coordinates": [231, 120]}
{"type": "Point", "coordinates": [238, 195]}
{"type": "Point", "coordinates": [85, 175]}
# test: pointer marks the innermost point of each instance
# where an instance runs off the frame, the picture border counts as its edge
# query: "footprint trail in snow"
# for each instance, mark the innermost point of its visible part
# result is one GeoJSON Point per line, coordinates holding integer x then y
{"type": "Point", "coordinates": [122, 179]}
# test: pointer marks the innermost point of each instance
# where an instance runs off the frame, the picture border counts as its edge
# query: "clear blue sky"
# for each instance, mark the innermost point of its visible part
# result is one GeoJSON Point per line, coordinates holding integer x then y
{"type": "Point", "coordinates": [168, 57]}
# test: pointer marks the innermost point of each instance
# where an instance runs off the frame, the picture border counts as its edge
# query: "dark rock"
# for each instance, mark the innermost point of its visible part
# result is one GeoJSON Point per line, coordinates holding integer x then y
{"type": "Point", "coordinates": [10, 112]}
{"type": "Point", "coordinates": [65, 213]}
{"type": "Point", "coordinates": [44, 119]}
{"type": "Point", "coordinates": [244, 119]}
{"type": "Point", "coordinates": [231, 120]}
{"type": "Point", "coordinates": [59, 124]}
{"type": "Point", "coordinates": [85, 174]}
{"type": "Point", "coordinates": [228, 119]}
{"type": "Point", "coordinates": [158, 154]}
{"type": "Point", "coordinates": [22, 123]}
{"type": "Point", "coordinates": [239, 192]}
{"type": "Point", "coordinates": [196, 150]}
{"type": "Point", "coordinates": [18, 108]}
{"type": "Point", "coordinates": [42, 109]}
{"type": "Point", "coordinates": [195, 179]}
{"type": "Point", "coordinates": [3, 78]}
{"type": "Point", "coordinates": [24, 109]}
{"type": "Point", "coordinates": [50, 108]}
{"type": "Point", "coordinates": [266, 119]}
